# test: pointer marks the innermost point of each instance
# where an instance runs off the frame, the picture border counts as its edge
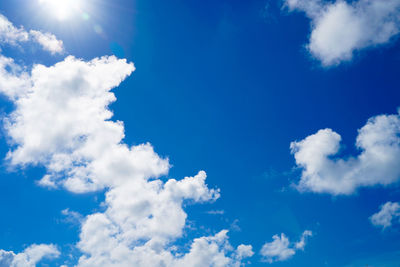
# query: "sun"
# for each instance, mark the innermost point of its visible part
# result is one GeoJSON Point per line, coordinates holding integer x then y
{"type": "Point", "coordinates": [62, 9]}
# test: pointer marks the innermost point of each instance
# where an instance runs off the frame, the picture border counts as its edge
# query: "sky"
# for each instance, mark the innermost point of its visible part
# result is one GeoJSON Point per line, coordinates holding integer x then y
{"type": "Point", "coordinates": [199, 133]}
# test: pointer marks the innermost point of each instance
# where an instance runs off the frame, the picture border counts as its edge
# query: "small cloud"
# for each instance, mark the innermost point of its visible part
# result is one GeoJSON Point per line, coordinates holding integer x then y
{"type": "Point", "coordinates": [386, 215]}
{"type": "Point", "coordinates": [48, 41]}
{"type": "Point", "coordinates": [235, 226]}
{"type": "Point", "coordinates": [341, 28]}
{"type": "Point", "coordinates": [281, 249]}
{"type": "Point", "coordinates": [302, 242]}
{"type": "Point", "coordinates": [216, 212]}
{"type": "Point", "coordinates": [244, 251]}
{"type": "Point", "coordinates": [72, 217]}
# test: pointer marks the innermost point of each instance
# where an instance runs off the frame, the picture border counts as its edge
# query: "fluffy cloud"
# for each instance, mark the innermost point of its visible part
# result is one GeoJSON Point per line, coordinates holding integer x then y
{"type": "Point", "coordinates": [278, 249]}
{"type": "Point", "coordinates": [339, 28]}
{"type": "Point", "coordinates": [12, 35]}
{"type": "Point", "coordinates": [377, 164]}
{"type": "Point", "coordinates": [244, 251]}
{"type": "Point", "coordinates": [65, 113]}
{"type": "Point", "coordinates": [142, 217]}
{"type": "Point", "coordinates": [29, 257]}
{"type": "Point", "coordinates": [281, 249]}
{"type": "Point", "coordinates": [62, 121]}
{"type": "Point", "coordinates": [387, 213]}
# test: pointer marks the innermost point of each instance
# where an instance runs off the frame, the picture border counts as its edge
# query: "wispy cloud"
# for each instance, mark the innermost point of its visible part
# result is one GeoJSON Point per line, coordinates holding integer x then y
{"type": "Point", "coordinates": [12, 35]}
{"type": "Point", "coordinates": [389, 212]}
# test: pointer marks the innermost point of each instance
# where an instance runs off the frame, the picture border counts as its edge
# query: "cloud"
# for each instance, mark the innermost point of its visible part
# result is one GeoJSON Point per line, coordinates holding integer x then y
{"type": "Point", "coordinates": [339, 28]}
{"type": "Point", "coordinates": [244, 251]}
{"type": "Point", "coordinates": [141, 220]}
{"type": "Point", "coordinates": [302, 242]}
{"type": "Point", "coordinates": [65, 113]}
{"type": "Point", "coordinates": [377, 164]}
{"type": "Point", "coordinates": [204, 251]}
{"type": "Point", "coordinates": [48, 41]}
{"type": "Point", "coordinates": [387, 213]}
{"type": "Point", "coordinates": [9, 34]}
{"type": "Point", "coordinates": [211, 251]}
{"type": "Point", "coordinates": [72, 217]}
{"type": "Point", "coordinates": [29, 257]}
{"type": "Point", "coordinates": [281, 249]}
{"type": "Point", "coordinates": [278, 249]}
{"type": "Point", "coordinates": [216, 212]}
{"type": "Point", "coordinates": [14, 80]}
{"type": "Point", "coordinates": [62, 121]}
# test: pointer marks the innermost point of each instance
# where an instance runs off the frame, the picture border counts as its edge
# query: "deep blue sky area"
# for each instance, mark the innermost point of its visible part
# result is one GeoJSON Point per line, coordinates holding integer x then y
{"type": "Point", "coordinates": [225, 87]}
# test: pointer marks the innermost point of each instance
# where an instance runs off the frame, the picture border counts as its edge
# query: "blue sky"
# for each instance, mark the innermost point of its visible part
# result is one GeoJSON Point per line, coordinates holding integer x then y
{"type": "Point", "coordinates": [220, 86]}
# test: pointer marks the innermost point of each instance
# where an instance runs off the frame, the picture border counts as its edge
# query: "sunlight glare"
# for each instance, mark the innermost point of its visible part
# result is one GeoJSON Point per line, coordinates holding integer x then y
{"type": "Point", "coordinates": [62, 9]}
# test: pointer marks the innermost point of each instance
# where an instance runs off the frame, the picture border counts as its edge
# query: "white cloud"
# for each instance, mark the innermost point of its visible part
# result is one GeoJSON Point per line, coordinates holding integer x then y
{"type": "Point", "coordinates": [340, 28]}
{"type": "Point", "coordinates": [212, 251]}
{"type": "Point", "coordinates": [377, 164]}
{"type": "Point", "coordinates": [281, 249]}
{"type": "Point", "coordinates": [29, 257]}
{"type": "Point", "coordinates": [65, 113]}
{"type": "Point", "coordinates": [302, 242]}
{"type": "Point", "coordinates": [204, 251]}
{"type": "Point", "coordinates": [48, 41]}
{"type": "Point", "coordinates": [9, 34]}
{"type": "Point", "coordinates": [216, 212]}
{"type": "Point", "coordinates": [14, 80]}
{"type": "Point", "coordinates": [140, 215]}
{"type": "Point", "coordinates": [62, 121]}
{"type": "Point", "coordinates": [244, 251]}
{"type": "Point", "coordinates": [72, 217]}
{"type": "Point", "coordinates": [387, 213]}
{"type": "Point", "coordinates": [278, 249]}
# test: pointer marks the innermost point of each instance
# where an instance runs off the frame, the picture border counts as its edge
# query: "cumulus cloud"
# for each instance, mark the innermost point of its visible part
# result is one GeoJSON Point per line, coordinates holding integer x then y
{"type": "Point", "coordinates": [65, 113]}
{"type": "Point", "coordinates": [281, 249]}
{"type": "Point", "coordinates": [29, 257]}
{"type": "Point", "coordinates": [388, 212]}
{"type": "Point", "coordinates": [340, 28]}
{"type": "Point", "coordinates": [9, 34]}
{"type": "Point", "coordinates": [62, 121]}
{"type": "Point", "coordinates": [141, 219]}
{"type": "Point", "coordinates": [377, 164]}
